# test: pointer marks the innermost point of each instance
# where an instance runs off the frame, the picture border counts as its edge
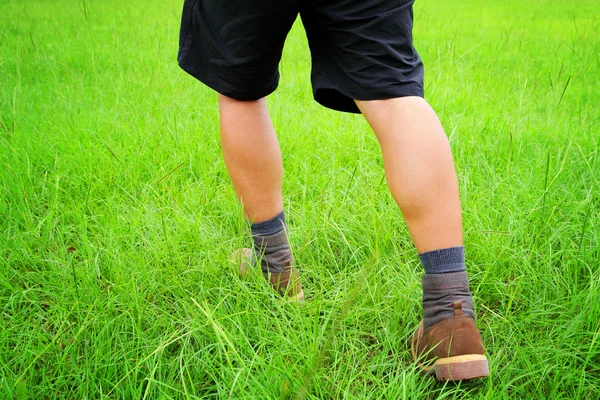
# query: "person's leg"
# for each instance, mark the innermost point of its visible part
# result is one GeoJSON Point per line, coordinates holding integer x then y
{"type": "Point", "coordinates": [364, 61]}
{"type": "Point", "coordinates": [421, 176]}
{"type": "Point", "coordinates": [419, 169]}
{"type": "Point", "coordinates": [253, 160]}
{"type": "Point", "coordinates": [252, 156]}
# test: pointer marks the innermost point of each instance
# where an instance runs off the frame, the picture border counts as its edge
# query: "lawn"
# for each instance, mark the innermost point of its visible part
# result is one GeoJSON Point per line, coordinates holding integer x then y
{"type": "Point", "coordinates": [117, 218]}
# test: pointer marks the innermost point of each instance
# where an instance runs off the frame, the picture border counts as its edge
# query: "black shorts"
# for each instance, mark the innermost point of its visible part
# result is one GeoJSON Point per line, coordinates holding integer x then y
{"type": "Point", "coordinates": [361, 49]}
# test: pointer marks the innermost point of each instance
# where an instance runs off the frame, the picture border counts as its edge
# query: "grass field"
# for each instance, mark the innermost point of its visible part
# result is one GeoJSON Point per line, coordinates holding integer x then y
{"type": "Point", "coordinates": [117, 218]}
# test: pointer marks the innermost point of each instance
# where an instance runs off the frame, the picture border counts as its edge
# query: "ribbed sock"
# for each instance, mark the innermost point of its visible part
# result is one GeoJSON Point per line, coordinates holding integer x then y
{"type": "Point", "coordinates": [271, 244]}
{"type": "Point", "coordinates": [444, 261]}
{"type": "Point", "coordinates": [445, 281]}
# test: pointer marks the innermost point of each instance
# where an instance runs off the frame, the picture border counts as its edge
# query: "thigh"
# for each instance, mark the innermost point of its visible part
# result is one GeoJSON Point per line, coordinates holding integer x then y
{"type": "Point", "coordinates": [234, 46]}
{"type": "Point", "coordinates": [362, 50]}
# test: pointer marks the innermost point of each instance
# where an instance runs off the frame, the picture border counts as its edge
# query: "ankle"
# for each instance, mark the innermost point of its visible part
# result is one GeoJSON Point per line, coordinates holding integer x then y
{"type": "Point", "coordinates": [271, 244]}
{"type": "Point", "coordinates": [441, 292]}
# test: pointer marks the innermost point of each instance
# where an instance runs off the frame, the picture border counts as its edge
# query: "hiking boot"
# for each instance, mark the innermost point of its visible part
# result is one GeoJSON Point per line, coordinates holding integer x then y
{"type": "Point", "coordinates": [286, 283]}
{"type": "Point", "coordinates": [451, 348]}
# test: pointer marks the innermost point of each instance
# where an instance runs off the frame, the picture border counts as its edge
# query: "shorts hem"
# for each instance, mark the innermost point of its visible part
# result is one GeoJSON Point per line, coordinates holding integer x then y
{"type": "Point", "coordinates": [338, 99]}
{"type": "Point", "coordinates": [220, 85]}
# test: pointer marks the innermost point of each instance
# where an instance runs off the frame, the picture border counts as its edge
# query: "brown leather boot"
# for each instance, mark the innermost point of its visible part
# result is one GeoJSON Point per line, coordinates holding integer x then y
{"type": "Point", "coordinates": [286, 283]}
{"type": "Point", "coordinates": [451, 348]}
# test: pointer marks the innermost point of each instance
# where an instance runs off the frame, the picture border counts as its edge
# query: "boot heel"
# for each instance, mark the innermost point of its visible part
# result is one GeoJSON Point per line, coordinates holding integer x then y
{"type": "Point", "coordinates": [461, 367]}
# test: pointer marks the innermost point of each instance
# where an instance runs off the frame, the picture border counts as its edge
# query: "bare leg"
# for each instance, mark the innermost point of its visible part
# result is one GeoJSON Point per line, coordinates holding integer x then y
{"type": "Point", "coordinates": [421, 176]}
{"type": "Point", "coordinates": [252, 156]}
{"type": "Point", "coordinates": [419, 169]}
{"type": "Point", "coordinates": [253, 160]}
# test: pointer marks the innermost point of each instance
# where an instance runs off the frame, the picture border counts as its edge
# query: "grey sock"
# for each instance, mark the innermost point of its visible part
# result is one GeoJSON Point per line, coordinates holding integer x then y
{"type": "Point", "coordinates": [270, 226]}
{"type": "Point", "coordinates": [440, 291]}
{"type": "Point", "coordinates": [444, 260]}
{"type": "Point", "coordinates": [271, 244]}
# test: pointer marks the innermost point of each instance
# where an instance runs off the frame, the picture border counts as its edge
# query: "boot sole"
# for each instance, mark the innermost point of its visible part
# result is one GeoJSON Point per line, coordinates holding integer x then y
{"type": "Point", "coordinates": [457, 368]}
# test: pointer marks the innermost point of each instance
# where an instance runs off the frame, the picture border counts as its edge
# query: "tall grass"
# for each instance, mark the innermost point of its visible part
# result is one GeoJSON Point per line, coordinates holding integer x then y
{"type": "Point", "coordinates": [117, 218]}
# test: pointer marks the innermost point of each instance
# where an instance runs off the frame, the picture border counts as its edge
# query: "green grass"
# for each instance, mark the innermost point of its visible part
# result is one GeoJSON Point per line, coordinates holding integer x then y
{"type": "Point", "coordinates": [117, 218]}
